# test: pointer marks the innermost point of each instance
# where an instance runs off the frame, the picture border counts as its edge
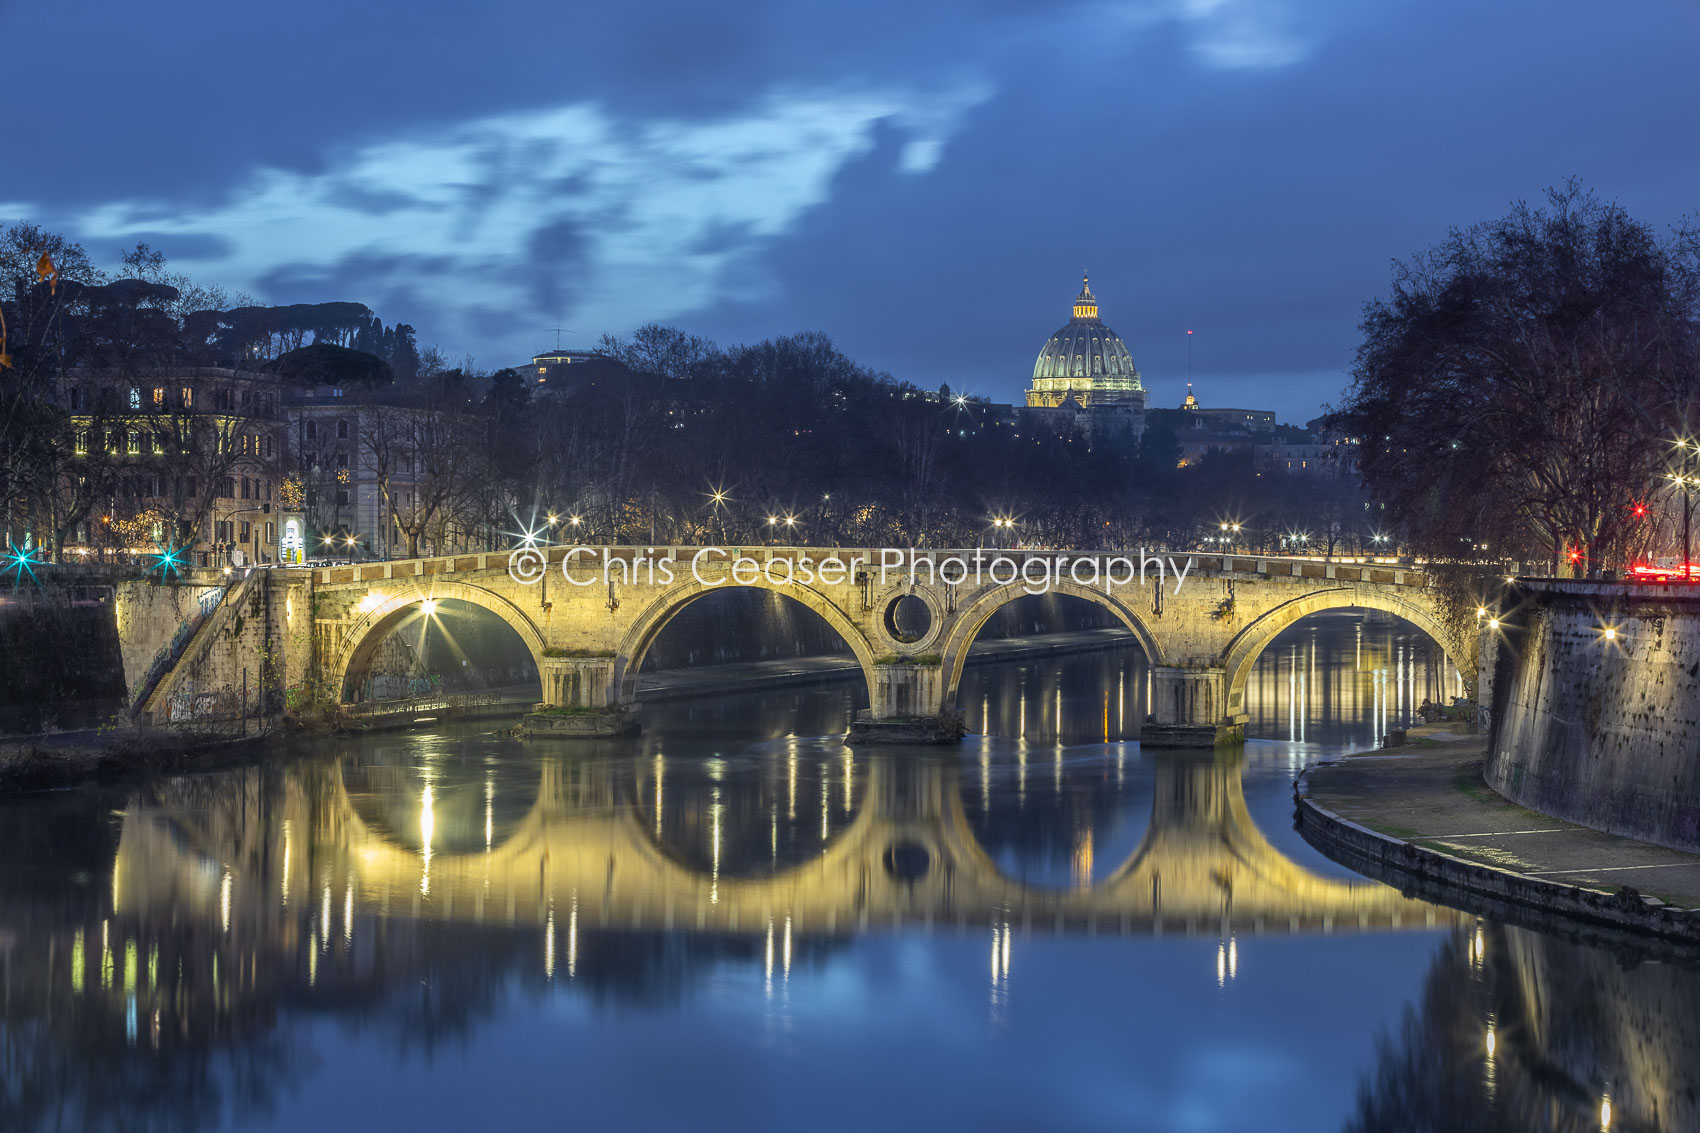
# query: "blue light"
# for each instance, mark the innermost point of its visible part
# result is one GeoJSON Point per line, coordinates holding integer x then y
{"type": "Point", "coordinates": [20, 561]}
{"type": "Point", "coordinates": [167, 561]}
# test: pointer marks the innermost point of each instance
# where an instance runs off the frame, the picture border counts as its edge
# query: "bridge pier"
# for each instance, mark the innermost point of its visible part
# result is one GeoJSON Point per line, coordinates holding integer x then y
{"type": "Point", "coordinates": [580, 701]}
{"type": "Point", "coordinates": [1189, 709]}
{"type": "Point", "coordinates": [906, 706]}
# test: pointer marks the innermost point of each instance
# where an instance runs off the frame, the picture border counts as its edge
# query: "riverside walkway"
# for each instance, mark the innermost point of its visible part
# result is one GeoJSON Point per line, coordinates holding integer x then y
{"type": "Point", "coordinates": [1433, 811]}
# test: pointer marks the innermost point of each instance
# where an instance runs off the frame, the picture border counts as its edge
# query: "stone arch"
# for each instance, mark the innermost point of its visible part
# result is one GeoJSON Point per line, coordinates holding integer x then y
{"type": "Point", "coordinates": [642, 634]}
{"type": "Point", "coordinates": [973, 617]}
{"type": "Point", "coordinates": [1244, 649]}
{"type": "Point", "coordinates": [363, 637]}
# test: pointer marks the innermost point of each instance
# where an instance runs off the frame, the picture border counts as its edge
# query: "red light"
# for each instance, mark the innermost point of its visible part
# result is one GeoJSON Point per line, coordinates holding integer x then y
{"type": "Point", "coordinates": [1639, 510]}
{"type": "Point", "coordinates": [1575, 556]}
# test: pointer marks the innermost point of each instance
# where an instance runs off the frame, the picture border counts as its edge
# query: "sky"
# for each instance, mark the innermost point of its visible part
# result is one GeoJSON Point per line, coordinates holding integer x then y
{"type": "Point", "coordinates": [924, 182]}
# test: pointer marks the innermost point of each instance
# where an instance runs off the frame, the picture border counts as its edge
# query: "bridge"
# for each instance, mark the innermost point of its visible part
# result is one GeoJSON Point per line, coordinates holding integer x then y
{"type": "Point", "coordinates": [588, 615]}
{"type": "Point", "coordinates": [587, 854]}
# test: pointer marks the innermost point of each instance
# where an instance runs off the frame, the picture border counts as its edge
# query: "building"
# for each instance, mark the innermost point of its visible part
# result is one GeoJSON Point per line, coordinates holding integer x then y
{"type": "Point", "coordinates": [1085, 378]}
{"type": "Point", "coordinates": [1330, 455]}
{"type": "Point", "coordinates": [552, 362]}
{"type": "Point", "coordinates": [384, 473]}
{"type": "Point", "coordinates": [1247, 421]}
{"type": "Point", "coordinates": [1200, 431]}
{"type": "Point", "coordinates": [337, 504]}
{"type": "Point", "coordinates": [182, 457]}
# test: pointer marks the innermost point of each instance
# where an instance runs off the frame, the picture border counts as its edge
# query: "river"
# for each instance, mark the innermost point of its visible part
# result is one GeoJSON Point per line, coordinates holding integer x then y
{"type": "Point", "coordinates": [734, 922]}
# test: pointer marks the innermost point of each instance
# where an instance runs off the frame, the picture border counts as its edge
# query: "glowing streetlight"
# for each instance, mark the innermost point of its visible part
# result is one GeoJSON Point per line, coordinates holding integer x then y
{"type": "Point", "coordinates": [428, 607]}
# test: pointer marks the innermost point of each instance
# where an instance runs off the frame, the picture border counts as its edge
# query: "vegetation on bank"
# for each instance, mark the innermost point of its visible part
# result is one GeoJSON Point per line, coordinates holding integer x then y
{"type": "Point", "coordinates": [1527, 389]}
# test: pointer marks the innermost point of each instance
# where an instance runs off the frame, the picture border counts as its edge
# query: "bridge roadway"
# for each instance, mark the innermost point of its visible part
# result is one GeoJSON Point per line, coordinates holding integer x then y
{"type": "Point", "coordinates": [587, 854]}
{"type": "Point", "coordinates": [589, 614]}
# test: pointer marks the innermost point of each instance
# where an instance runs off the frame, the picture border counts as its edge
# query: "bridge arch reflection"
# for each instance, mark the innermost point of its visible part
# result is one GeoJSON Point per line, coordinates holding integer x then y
{"type": "Point", "coordinates": [752, 816]}
{"type": "Point", "coordinates": [907, 851]}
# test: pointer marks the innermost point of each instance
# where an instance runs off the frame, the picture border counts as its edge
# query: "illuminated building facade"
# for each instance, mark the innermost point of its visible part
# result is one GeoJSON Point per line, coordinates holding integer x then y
{"type": "Point", "coordinates": [1085, 375]}
{"type": "Point", "coordinates": [550, 363]}
{"type": "Point", "coordinates": [187, 457]}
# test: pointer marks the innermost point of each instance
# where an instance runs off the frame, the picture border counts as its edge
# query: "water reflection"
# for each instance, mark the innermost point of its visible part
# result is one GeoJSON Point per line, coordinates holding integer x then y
{"type": "Point", "coordinates": [1046, 928]}
{"type": "Point", "coordinates": [1346, 676]}
{"type": "Point", "coordinates": [225, 902]}
{"type": "Point", "coordinates": [1516, 1030]}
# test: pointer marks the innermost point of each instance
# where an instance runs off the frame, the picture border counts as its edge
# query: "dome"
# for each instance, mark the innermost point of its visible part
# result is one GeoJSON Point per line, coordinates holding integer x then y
{"type": "Point", "coordinates": [1085, 357]}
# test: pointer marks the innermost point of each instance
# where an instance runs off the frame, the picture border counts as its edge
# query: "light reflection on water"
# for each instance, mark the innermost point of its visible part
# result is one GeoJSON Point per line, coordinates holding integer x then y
{"type": "Point", "coordinates": [733, 920]}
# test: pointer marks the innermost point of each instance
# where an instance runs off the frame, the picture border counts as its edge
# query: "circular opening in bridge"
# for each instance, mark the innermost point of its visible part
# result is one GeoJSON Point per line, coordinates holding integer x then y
{"type": "Point", "coordinates": [908, 861]}
{"type": "Point", "coordinates": [907, 618]}
{"type": "Point", "coordinates": [447, 655]}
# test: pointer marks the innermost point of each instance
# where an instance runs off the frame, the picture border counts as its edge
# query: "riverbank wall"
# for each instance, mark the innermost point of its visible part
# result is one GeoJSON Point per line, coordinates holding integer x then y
{"type": "Point", "coordinates": [61, 661]}
{"type": "Point", "coordinates": [1593, 690]}
{"type": "Point", "coordinates": [1487, 890]}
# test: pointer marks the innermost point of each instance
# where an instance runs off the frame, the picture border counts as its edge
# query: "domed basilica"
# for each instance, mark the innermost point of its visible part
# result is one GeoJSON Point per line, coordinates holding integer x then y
{"type": "Point", "coordinates": [1085, 369]}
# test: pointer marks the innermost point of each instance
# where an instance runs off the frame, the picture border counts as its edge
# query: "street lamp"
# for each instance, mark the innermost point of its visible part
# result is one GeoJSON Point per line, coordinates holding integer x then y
{"type": "Point", "coordinates": [1689, 449]}
{"type": "Point", "coordinates": [716, 500]}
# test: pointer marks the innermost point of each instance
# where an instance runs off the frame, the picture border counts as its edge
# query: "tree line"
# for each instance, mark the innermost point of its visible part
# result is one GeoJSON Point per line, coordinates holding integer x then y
{"type": "Point", "coordinates": [665, 437]}
{"type": "Point", "coordinates": [1527, 388]}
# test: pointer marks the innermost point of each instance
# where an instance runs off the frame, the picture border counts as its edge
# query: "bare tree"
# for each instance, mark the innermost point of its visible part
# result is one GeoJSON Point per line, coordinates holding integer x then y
{"type": "Point", "coordinates": [1520, 385]}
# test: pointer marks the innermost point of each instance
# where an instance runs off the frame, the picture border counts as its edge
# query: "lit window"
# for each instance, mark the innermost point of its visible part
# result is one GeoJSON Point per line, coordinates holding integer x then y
{"type": "Point", "coordinates": [133, 444]}
{"type": "Point", "coordinates": [187, 396]}
{"type": "Point", "coordinates": [135, 397]}
{"type": "Point", "coordinates": [82, 442]}
{"type": "Point", "coordinates": [159, 395]}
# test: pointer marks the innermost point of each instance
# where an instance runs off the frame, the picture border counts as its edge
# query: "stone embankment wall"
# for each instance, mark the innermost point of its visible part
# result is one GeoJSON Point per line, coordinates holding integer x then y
{"type": "Point", "coordinates": [148, 617]}
{"type": "Point", "coordinates": [254, 635]}
{"type": "Point", "coordinates": [1601, 728]}
{"type": "Point", "coordinates": [59, 663]}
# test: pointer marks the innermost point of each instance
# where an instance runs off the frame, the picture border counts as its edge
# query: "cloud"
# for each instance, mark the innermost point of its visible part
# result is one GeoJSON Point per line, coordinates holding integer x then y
{"type": "Point", "coordinates": [1234, 34]}
{"type": "Point", "coordinates": [564, 212]}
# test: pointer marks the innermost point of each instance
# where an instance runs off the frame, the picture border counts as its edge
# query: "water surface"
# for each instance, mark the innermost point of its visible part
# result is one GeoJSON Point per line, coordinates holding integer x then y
{"type": "Point", "coordinates": [735, 922]}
